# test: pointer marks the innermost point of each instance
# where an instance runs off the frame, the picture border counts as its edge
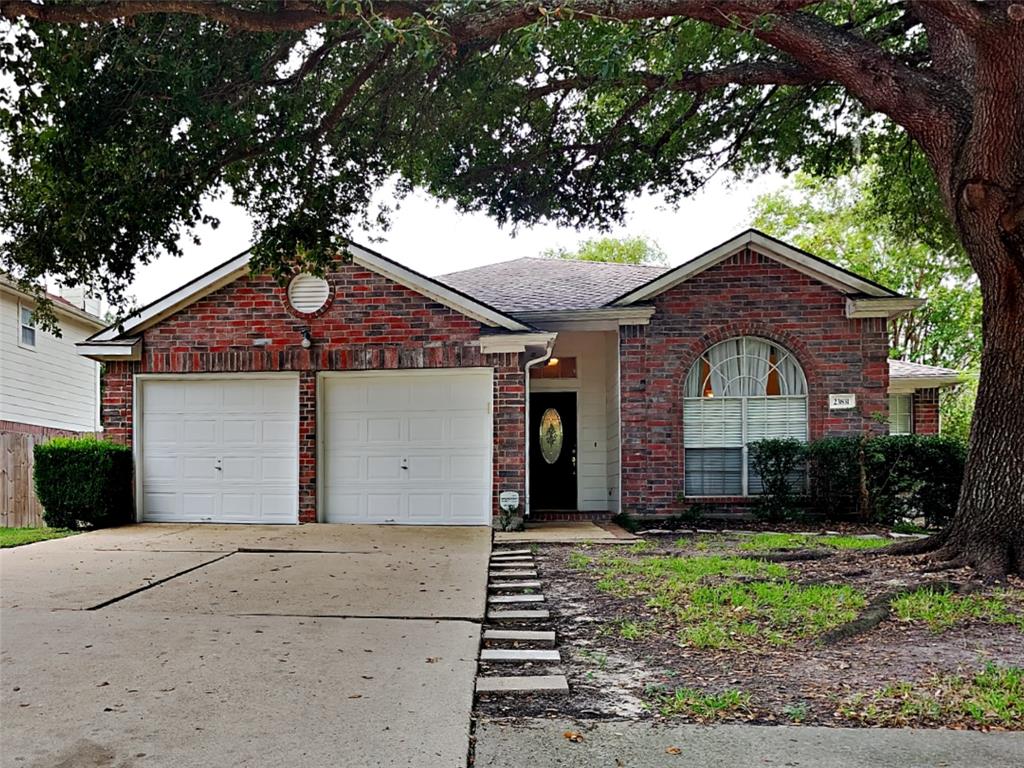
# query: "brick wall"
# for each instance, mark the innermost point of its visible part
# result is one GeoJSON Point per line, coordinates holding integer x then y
{"type": "Point", "coordinates": [371, 323]}
{"type": "Point", "coordinates": [926, 411]}
{"type": "Point", "coordinates": [746, 295]}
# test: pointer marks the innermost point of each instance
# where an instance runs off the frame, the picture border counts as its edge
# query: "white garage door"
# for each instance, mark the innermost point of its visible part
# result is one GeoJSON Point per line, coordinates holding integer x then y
{"type": "Point", "coordinates": [220, 450]}
{"type": "Point", "coordinates": [407, 447]}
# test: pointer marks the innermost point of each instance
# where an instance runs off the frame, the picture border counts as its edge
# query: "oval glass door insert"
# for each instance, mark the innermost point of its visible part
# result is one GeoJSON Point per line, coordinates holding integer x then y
{"type": "Point", "coordinates": [551, 435]}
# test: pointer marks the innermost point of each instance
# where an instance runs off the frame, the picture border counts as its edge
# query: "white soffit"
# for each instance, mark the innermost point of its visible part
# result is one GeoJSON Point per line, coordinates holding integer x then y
{"type": "Point", "coordinates": [801, 261]}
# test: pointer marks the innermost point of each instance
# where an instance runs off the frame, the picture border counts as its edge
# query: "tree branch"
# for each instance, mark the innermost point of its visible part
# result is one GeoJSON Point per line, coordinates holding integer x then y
{"type": "Point", "coordinates": [697, 82]}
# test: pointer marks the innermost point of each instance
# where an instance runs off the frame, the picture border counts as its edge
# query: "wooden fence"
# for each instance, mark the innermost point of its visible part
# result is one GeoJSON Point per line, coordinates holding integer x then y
{"type": "Point", "coordinates": [19, 507]}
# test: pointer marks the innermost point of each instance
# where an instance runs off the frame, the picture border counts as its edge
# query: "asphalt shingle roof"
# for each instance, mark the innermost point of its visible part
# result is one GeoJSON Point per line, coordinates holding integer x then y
{"type": "Point", "coordinates": [532, 284]}
{"type": "Point", "coordinates": [904, 369]}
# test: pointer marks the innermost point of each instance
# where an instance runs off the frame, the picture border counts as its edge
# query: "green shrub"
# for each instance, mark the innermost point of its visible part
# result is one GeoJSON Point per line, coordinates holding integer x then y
{"type": "Point", "coordinates": [834, 470]}
{"type": "Point", "coordinates": [84, 482]}
{"type": "Point", "coordinates": [904, 477]}
{"type": "Point", "coordinates": [779, 465]}
{"type": "Point", "coordinates": [913, 476]}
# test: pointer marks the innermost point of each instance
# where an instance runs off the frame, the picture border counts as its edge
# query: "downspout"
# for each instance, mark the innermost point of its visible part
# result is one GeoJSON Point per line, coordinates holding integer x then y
{"type": "Point", "coordinates": [549, 347]}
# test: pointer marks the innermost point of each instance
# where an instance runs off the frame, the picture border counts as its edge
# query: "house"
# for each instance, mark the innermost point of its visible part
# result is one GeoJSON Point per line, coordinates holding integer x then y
{"type": "Point", "coordinates": [46, 387]}
{"type": "Point", "coordinates": [376, 394]}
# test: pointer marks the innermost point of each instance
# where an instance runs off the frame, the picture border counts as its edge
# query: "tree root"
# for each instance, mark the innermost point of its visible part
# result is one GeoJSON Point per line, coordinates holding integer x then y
{"type": "Point", "coordinates": [915, 546]}
{"type": "Point", "coordinates": [789, 556]}
{"type": "Point", "coordinates": [876, 612]}
{"type": "Point", "coordinates": [945, 564]}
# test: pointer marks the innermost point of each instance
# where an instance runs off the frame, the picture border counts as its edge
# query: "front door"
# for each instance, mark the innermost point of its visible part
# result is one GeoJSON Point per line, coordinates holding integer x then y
{"type": "Point", "coordinates": [553, 450]}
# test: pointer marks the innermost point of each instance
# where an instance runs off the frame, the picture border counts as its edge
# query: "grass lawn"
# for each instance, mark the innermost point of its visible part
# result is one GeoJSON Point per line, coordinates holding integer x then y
{"type": "Point", "coordinates": [15, 537]}
{"type": "Point", "coordinates": [713, 601]}
{"type": "Point", "coordinates": [709, 627]}
{"type": "Point", "coordinates": [993, 697]}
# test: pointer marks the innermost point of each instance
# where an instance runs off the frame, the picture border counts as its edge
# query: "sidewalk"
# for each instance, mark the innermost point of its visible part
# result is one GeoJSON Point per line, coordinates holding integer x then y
{"type": "Point", "coordinates": [619, 744]}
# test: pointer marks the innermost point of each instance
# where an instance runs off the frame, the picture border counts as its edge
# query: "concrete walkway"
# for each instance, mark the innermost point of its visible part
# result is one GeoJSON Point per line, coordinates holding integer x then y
{"type": "Point", "coordinates": [566, 532]}
{"type": "Point", "coordinates": [241, 645]}
{"type": "Point", "coordinates": [542, 744]}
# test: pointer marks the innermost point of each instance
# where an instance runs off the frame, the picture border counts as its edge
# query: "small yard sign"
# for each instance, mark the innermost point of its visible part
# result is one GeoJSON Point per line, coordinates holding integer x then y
{"type": "Point", "coordinates": [842, 402]}
{"type": "Point", "coordinates": [508, 500]}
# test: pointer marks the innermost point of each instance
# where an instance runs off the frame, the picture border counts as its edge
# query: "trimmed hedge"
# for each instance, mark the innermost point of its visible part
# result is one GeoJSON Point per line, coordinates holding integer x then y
{"type": "Point", "coordinates": [883, 479]}
{"type": "Point", "coordinates": [84, 482]}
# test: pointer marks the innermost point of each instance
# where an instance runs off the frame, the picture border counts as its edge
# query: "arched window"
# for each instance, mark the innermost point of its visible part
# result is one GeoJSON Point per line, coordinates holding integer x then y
{"type": "Point", "coordinates": [739, 391]}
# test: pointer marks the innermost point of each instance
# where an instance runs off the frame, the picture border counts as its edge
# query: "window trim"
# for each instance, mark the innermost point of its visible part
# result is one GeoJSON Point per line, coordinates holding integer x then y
{"type": "Point", "coordinates": [703, 362]}
{"type": "Point", "coordinates": [909, 397]}
{"type": "Point", "coordinates": [21, 326]}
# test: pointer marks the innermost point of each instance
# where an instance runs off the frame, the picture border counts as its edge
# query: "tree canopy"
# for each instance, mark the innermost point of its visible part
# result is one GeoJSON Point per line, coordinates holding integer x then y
{"type": "Point", "coordinates": [857, 221]}
{"type": "Point", "coordinates": [619, 250]}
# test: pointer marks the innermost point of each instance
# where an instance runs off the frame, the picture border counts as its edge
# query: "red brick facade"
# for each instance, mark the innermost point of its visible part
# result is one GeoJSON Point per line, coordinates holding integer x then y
{"type": "Point", "coordinates": [372, 323]}
{"type": "Point", "coordinates": [745, 295]}
{"type": "Point", "coordinates": [926, 412]}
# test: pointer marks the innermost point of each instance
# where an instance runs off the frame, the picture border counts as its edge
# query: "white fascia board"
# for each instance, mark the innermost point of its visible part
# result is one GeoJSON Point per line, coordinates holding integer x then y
{"type": "Point", "coordinates": [907, 385]}
{"type": "Point", "coordinates": [859, 308]}
{"type": "Point", "coordinates": [603, 319]}
{"type": "Point", "coordinates": [191, 292]}
{"type": "Point", "coordinates": [784, 254]}
{"type": "Point", "coordinates": [434, 290]}
{"type": "Point", "coordinates": [123, 349]}
{"type": "Point", "coordinates": [514, 342]}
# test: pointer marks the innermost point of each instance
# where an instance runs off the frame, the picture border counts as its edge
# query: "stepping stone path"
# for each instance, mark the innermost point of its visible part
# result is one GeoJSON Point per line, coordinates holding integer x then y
{"type": "Point", "coordinates": [512, 573]}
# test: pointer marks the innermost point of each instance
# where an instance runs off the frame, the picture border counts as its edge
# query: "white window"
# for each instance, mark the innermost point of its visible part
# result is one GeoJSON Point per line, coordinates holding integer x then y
{"type": "Point", "coordinates": [739, 391]}
{"type": "Point", "coordinates": [901, 414]}
{"type": "Point", "coordinates": [26, 327]}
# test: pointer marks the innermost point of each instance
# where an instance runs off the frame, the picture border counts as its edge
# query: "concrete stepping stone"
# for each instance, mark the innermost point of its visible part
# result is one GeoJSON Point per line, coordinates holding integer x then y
{"type": "Point", "coordinates": [516, 654]}
{"type": "Point", "coordinates": [511, 566]}
{"type": "Point", "coordinates": [510, 552]}
{"type": "Point", "coordinates": [535, 637]}
{"type": "Point", "coordinates": [524, 615]}
{"type": "Point", "coordinates": [511, 574]}
{"type": "Point", "coordinates": [512, 559]}
{"type": "Point", "coordinates": [515, 599]}
{"type": "Point", "coordinates": [513, 585]}
{"type": "Point", "coordinates": [551, 683]}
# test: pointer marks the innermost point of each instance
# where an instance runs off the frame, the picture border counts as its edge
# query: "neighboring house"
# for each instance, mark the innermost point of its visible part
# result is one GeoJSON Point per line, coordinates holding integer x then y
{"type": "Point", "coordinates": [381, 395]}
{"type": "Point", "coordinates": [46, 387]}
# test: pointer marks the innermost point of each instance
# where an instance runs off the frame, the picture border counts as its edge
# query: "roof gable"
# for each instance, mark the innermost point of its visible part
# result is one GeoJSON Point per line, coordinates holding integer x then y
{"type": "Point", "coordinates": [843, 280]}
{"type": "Point", "coordinates": [236, 267]}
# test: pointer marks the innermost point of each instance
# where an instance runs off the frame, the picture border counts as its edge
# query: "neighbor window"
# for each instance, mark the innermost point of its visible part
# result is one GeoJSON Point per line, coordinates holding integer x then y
{"type": "Point", "coordinates": [901, 418]}
{"type": "Point", "coordinates": [739, 391]}
{"type": "Point", "coordinates": [26, 327]}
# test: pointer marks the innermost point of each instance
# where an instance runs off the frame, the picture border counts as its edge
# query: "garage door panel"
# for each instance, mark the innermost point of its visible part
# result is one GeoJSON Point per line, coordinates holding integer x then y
{"type": "Point", "coordinates": [384, 429]}
{"type": "Point", "coordinates": [198, 431]}
{"type": "Point", "coordinates": [220, 450]}
{"type": "Point", "coordinates": [438, 422]}
{"type": "Point", "coordinates": [383, 467]}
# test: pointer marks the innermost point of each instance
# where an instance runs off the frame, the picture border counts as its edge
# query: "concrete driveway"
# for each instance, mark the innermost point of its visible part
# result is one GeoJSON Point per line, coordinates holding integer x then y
{"type": "Point", "coordinates": [241, 645]}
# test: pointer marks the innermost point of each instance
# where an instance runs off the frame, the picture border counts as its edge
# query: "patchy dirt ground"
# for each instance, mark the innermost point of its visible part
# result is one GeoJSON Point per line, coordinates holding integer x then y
{"type": "Point", "coordinates": [805, 681]}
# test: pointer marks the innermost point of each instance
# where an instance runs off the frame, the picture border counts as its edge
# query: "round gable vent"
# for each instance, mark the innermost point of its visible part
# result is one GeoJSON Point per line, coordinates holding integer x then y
{"type": "Point", "coordinates": [308, 293]}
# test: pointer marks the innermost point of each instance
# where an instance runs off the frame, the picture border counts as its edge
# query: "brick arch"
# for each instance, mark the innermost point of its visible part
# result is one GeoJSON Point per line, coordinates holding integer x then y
{"type": "Point", "coordinates": [692, 352]}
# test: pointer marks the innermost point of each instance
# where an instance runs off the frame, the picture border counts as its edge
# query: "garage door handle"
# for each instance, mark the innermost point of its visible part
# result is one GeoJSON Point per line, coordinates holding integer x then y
{"type": "Point", "coordinates": [405, 463]}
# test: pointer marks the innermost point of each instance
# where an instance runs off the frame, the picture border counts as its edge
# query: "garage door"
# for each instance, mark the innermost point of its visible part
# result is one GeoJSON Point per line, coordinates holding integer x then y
{"type": "Point", "coordinates": [220, 450]}
{"type": "Point", "coordinates": [407, 447]}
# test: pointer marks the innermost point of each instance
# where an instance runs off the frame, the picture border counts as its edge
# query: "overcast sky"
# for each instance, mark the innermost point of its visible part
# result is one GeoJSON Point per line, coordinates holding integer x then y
{"type": "Point", "coordinates": [432, 238]}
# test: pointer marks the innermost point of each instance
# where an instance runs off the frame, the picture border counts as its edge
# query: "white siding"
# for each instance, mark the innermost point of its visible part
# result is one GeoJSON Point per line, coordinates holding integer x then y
{"type": "Point", "coordinates": [612, 418]}
{"type": "Point", "coordinates": [591, 350]}
{"type": "Point", "coordinates": [51, 385]}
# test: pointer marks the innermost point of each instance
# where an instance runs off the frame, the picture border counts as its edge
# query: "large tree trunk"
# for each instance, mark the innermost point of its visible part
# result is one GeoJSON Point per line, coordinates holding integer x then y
{"type": "Point", "coordinates": [988, 529]}
{"type": "Point", "coordinates": [981, 174]}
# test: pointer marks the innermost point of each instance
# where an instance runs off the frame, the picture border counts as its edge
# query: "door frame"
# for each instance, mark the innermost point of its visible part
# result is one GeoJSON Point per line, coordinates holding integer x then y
{"type": "Point", "coordinates": [138, 415]}
{"type": "Point", "coordinates": [575, 390]}
{"type": "Point", "coordinates": [323, 376]}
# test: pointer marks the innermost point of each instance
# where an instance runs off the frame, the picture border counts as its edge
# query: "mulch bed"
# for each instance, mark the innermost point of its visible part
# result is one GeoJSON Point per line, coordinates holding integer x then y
{"type": "Point", "coordinates": [611, 677]}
